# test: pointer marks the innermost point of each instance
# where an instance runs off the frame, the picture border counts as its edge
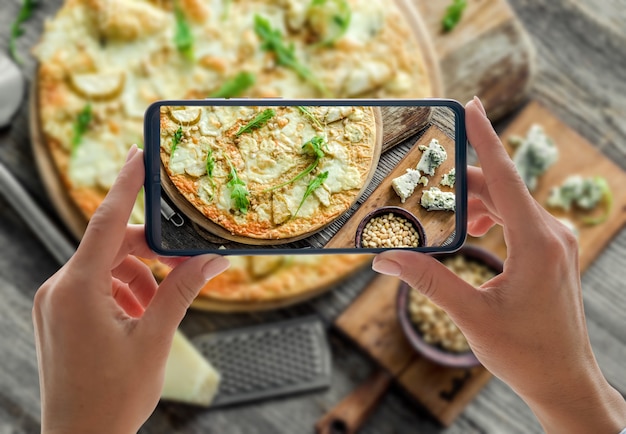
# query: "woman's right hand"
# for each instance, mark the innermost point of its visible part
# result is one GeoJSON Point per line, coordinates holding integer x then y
{"type": "Point", "coordinates": [526, 325]}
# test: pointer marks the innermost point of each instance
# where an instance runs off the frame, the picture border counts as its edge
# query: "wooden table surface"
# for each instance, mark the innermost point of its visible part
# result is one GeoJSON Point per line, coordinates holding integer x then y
{"type": "Point", "coordinates": [581, 78]}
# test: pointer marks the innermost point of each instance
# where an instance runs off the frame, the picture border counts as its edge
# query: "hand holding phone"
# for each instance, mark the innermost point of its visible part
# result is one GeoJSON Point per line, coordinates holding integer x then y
{"type": "Point", "coordinates": [316, 176]}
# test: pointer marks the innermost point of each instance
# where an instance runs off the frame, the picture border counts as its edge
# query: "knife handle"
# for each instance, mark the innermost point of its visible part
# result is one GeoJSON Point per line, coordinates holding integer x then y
{"type": "Point", "coordinates": [51, 237]}
{"type": "Point", "coordinates": [348, 416]}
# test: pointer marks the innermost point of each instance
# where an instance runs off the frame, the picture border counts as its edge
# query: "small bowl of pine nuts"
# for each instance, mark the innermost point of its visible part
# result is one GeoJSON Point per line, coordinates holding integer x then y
{"type": "Point", "coordinates": [390, 227]}
{"type": "Point", "coordinates": [428, 328]}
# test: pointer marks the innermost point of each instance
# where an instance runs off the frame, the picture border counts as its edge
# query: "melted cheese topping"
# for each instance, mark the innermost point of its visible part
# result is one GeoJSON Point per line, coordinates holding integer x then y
{"type": "Point", "coordinates": [121, 55]}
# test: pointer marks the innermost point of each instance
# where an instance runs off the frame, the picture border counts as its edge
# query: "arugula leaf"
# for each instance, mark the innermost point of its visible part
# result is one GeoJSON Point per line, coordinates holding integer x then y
{"type": "Point", "coordinates": [16, 28]}
{"type": "Point", "coordinates": [81, 125]}
{"type": "Point", "coordinates": [338, 13]}
{"type": "Point", "coordinates": [183, 38]}
{"type": "Point", "coordinates": [176, 139]}
{"type": "Point", "coordinates": [307, 113]}
{"type": "Point", "coordinates": [607, 198]}
{"type": "Point", "coordinates": [272, 41]}
{"type": "Point", "coordinates": [453, 14]}
{"type": "Point", "coordinates": [238, 191]}
{"type": "Point", "coordinates": [235, 86]}
{"type": "Point", "coordinates": [313, 148]}
{"type": "Point", "coordinates": [210, 164]}
{"type": "Point", "coordinates": [226, 9]}
{"type": "Point", "coordinates": [313, 185]}
{"type": "Point", "coordinates": [257, 122]}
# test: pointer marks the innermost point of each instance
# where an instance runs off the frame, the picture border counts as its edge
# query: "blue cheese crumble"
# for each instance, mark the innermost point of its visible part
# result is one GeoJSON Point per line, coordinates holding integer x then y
{"type": "Point", "coordinates": [434, 199]}
{"type": "Point", "coordinates": [586, 193]}
{"type": "Point", "coordinates": [534, 155]}
{"type": "Point", "coordinates": [434, 155]}
{"type": "Point", "coordinates": [448, 178]}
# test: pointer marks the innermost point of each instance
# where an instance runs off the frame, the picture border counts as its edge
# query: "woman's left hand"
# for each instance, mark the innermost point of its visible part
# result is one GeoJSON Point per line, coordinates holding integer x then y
{"type": "Point", "coordinates": [103, 327]}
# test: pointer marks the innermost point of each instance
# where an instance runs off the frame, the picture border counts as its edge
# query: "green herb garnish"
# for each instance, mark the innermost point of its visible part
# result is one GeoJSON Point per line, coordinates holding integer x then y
{"type": "Point", "coordinates": [238, 191]}
{"type": "Point", "coordinates": [313, 148]}
{"type": "Point", "coordinates": [176, 139]}
{"type": "Point", "coordinates": [81, 125]}
{"type": "Point", "coordinates": [257, 122]}
{"type": "Point", "coordinates": [272, 40]}
{"type": "Point", "coordinates": [183, 38]}
{"type": "Point", "coordinates": [226, 9]}
{"type": "Point", "coordinates": [16, 28]}
{"type": "Point", "coordinates": [453, 15]}
{"type": "Point", "coordinates": [307, 113]}
{"type": "Point", "coordinates": [339, 14]}
{"type": "Point", "coordinates": [235, 86]}
{"type": "Point", "coordinates": [210, 164]}
{"type": "Point", "coordinates": [313, 185]}
{"type": "Point", "coordinates": [607, 199]}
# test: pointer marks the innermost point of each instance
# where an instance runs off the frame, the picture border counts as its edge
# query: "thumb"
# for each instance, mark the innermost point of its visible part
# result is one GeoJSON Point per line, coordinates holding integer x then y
{"type": "Point", "coordinates": [431, 278]}
{"type": "Point", "coordinates": [180, 288]}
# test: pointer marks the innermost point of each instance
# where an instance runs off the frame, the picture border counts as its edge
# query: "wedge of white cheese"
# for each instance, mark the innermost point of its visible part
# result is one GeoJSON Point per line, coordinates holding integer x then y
{"type": "Point", "coordinates": [434, 155]}
{"type": "Point", "coordinates": [189, 377]}
{"type": "Point", "coordinates": [434, 199]}
{"type": "Point", "coordinates": [404, 185]}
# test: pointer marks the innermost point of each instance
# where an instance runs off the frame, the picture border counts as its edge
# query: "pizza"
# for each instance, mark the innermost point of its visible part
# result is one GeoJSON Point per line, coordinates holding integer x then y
{"type": "Point", "coordinates": [101, 63]}
{"type": "Point", "coordinates": [269, 173]}
{"type": "Point", "coordinates": [258, 281]}
{"type": "Point", "coordinates": [112, 58]}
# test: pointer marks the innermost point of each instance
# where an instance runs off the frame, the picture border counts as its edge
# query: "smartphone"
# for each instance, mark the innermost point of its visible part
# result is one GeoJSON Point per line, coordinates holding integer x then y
{"type": "Point", "coordinates": [274, 176]}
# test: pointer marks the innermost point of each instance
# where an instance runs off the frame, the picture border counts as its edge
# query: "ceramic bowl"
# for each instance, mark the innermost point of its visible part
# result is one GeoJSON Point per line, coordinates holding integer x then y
{"type": "Point", "coordinates": [396, 210]}
{"type": "Point", "coordinates": [435, 352]}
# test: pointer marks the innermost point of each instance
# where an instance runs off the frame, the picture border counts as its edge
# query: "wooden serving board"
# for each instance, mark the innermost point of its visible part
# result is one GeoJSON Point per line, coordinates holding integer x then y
{"type": "Point", "coordinates": [577, 156]}
{"type": "Point", "coordinates": [488, 54]}
{"type": "Point", "coordinates": [372, 322]}
{"type": "Point", "coordinates": [438, 225]}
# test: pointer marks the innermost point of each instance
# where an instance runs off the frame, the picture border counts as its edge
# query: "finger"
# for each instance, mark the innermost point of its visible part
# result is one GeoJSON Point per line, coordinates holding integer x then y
{"type": "Point", "coordinates": [477, 210]}
{"type": "Point", "coordinates": [172, 261]}
{"type": "Point", "coordinates": [135, 244]}
{"type": "Point", "coordinates": [107, 228]}
{"type": "Point", "coordinates": [430, 277]}
{"type": "Point", "coordinates": [507, 190]}
{"type": "Point", "coordinates": [126, 300]}
{"type": "Point", "coordinates": [480, 227]}
{"type": "Point", "coordinates": [179, 289]}
{"type": "Point", "coordinates": [138, 277]}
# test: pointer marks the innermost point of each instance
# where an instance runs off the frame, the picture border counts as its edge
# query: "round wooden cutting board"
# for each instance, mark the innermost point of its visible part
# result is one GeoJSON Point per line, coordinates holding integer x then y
{"type": "Point", "coordinates": [76, 222]}
{"type": "Point", "coordinates": [199, 219]}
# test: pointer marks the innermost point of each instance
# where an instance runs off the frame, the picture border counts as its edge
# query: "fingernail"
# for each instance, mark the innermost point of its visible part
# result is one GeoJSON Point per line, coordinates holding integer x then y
{"type": "Point", "coordinates": [214, 267]}
{"type": "Point", "coordinates": [386, 266]}
{"type": "Point", "coordinates": [480, 105]}
{"type": "Point", "coordinates": [131, 153]}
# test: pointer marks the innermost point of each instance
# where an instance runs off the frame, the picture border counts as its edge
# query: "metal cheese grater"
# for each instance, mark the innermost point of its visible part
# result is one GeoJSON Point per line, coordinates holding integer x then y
{"type": "Point", "coordinates": [268, 360]}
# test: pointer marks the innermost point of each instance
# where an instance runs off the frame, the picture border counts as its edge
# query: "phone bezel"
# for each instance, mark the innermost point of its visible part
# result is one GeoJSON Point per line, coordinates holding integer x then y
{"type": "Point", "coordinates": [152, 160]}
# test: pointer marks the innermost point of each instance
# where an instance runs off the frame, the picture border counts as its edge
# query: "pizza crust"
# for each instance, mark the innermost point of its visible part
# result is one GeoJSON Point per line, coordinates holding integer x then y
{"type": "Point", "coordinates": [293, 276]}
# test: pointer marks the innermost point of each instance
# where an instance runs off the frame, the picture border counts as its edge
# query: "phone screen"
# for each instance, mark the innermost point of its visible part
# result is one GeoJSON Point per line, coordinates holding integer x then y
{"type": "Point", "coordinates": [262, 176]}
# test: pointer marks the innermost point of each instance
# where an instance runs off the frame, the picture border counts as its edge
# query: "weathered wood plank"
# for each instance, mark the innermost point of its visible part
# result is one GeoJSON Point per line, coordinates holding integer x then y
{"type": "Point", "coordinates": [579, 77]}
